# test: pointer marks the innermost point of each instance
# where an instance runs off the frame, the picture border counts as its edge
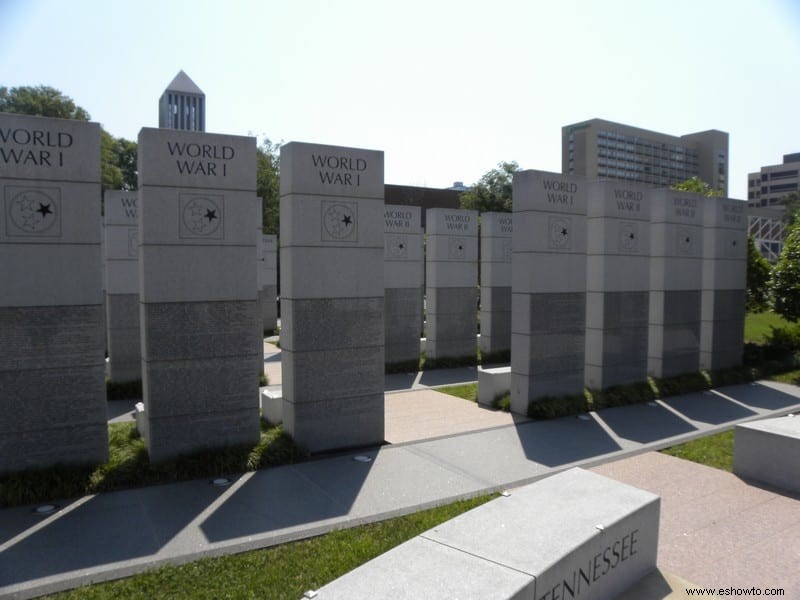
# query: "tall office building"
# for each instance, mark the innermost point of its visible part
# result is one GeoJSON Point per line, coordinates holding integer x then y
{"type": "Point", "coordinates": [767, 186]}
{"type": "Point", "coordinates": [182, 105]}
{"type": "Point", "coordinates": [606, 150]}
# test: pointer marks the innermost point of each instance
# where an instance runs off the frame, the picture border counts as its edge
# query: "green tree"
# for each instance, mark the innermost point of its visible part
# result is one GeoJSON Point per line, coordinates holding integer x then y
{"type": "Point", "coordinates": [41, 100]}
{"type": "Point", "coordinates": [268, 184]}
{"type": "Point", "coordinates": [493, 191]}
{"type": "Point", "coordinates": [791, 204]}
{"type": "Point", "coordinates": [758, 273]}
{"type": "Point", "coordinates": [698, 186]}
{"type": "Point", "coordinates": [117, 155]}
{"type": "Point", "coordinates": [785, 282]}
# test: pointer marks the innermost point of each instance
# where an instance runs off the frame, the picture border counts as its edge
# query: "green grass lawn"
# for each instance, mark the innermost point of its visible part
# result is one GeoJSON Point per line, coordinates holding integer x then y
{"type": "Point", "coordinates": [757, 326]}
{"type": "Point", "coordinates": [712, 450]}
{"type": "Point", "coordinates": [468, 391]}
{"type": "Point", "coordinates": [285, 571]}
{"type": "Point", "coordinates": [129, 466]}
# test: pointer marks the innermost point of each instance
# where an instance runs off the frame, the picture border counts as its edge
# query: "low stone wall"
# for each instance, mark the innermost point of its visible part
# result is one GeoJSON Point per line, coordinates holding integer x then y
{"type": "Point", "coordinates": [573, 535]}
{"type": "Point", "coordinates": [769, 451]}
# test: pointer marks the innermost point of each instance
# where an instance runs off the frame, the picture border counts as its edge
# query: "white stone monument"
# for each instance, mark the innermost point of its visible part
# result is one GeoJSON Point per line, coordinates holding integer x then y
{"type": "Point", "coordinates": [548, 287]}
{"type": "Point", "coordinates": [495, 313]}
{"type": "Point", "coordinates": [724, 283]}
{"type": "Point", "coordinates": [404, 275]}
{"type": "Point", "coordinates": [122, 285]}
{"type": "Point", "coordinates": [451, 292]}
{"type": "Point", "coordinates": [197, 252]}
{"type": "Point", "coordinates": [52, 369]}
{"type": "Point", "coordinates": [675, 282]}
{"type": "Point", "coordinates": [332, 295]}
{"type": "Point", "coordinates": [268, 290]}
{"type": "Point", "coordinates": [618, 283]}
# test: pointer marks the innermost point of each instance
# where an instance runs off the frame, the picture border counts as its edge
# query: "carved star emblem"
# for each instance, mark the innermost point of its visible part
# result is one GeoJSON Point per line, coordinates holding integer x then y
{"type": "Point", "coordinates": [44, 209]}
{"type": "Point", "coordinates": [564, 231]}
{"type": "Point", "coordinates": [347, 220]}
{"type": "Point", "coordinates": [210, 214]}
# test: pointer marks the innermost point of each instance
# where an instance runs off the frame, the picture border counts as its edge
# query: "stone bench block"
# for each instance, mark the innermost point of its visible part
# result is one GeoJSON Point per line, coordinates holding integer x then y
{"type": "Point", "coordinates": [272, 405]}
{"type": "Point", "coordinates": [769, 451]}
{"type": "Point", "coordinates": [493, 383]}
{"type": "Point", "coordinates": [573, 535]}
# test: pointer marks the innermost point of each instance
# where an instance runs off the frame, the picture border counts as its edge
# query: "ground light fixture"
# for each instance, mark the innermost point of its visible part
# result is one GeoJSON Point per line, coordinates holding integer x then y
{"type": "Point", "coordinates": [45, 509]}
{"type": "Point", "coordinates": [221, 482]}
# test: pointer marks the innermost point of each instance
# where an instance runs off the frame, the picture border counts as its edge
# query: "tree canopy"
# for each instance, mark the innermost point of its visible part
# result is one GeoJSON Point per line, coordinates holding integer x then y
{"type": "Point", "coordinates": [268, 184]}
{"type": "Point", "coordinates": [698, 186]}
{"type": "Point", "coordinates": [41, 100]}
{"type": "Point", "coordinates": [493, 190]}
{"type": "Point", "coordinates": [785, 282]}
{"type": "Point", "coordinates": [791, 204]}
{"type": "Point", "coordinates": [758, 272]}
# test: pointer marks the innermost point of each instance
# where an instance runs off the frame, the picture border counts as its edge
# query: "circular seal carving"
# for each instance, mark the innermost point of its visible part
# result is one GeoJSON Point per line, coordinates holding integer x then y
{"type": "Point", "coordinates": [628, 240]}
{"type": "Point", "coordinates": [559, 233]}
{"type": "Point", "coordinates": [398, 247]}
{"type": "Point", "coordinates": [201, 216]}
{"type": "Point", "coordinates": [33, 211]}
{"type": "Point", "coordinates": [339, 221]}
{"type": "Point", "coordinates": [684, 241]}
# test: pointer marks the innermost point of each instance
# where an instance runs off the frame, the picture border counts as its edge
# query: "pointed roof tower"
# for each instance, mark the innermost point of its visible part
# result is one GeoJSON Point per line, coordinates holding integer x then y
{"type": "Point", "coordinates": [183, 83]}
{"type": "Point", "coordinates": [182, 105]}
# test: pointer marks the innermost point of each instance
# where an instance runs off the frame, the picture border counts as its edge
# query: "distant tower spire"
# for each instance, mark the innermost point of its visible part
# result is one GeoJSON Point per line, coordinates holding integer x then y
{"type": "Point", "coordinates": [182, 105]}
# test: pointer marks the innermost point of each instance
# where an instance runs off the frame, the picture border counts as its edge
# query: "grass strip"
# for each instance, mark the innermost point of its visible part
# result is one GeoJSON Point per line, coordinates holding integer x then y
{"type": "Point", "coordinates": [284, 571]}
{"type": "Point", "coordinates": [712, 450]}
{"type": "Point", "coordinates": [467, 391]}
{"type": "Point", "coordinates": [129, 467]}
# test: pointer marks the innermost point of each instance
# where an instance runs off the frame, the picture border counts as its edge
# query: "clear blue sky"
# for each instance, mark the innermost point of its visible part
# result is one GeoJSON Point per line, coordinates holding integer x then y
{"type": "Point", "coordinates": [447, 89]}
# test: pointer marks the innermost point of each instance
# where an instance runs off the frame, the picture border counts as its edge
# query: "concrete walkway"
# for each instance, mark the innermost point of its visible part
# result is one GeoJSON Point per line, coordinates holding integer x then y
{"type": "Point", "coordinates": [96, 538]}
{"type": "Point", "coordinates": [716, 530]}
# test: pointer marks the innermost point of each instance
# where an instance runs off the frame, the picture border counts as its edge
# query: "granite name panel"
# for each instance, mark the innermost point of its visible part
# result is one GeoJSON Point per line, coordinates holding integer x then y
{"type": "Point", "coordinates": [495, 313]}
{"type": "Point", "coordinates": [198, 276]}
{"type": "Point", "coordinates": [52, 369]}
{"type": "Point", "coordinates": [675, 282]}
{"type": "Point", "coordinates": [451, 279]}
{"type": "Point", "coordinates": [121, 249]}
{"type": "Point", "coordinates": [618, 283]}
{"type": "Point", "coordinates": [548, 287]}
{"type": "Point", "coordinates": [724, 283]}
{"type": "Point", "coordinates": [332, 295]}
{"type": "Point", "coordinates": [403, 278]}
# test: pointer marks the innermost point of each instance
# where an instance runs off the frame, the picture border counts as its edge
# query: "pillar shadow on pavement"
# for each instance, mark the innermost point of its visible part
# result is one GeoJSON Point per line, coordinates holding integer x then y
{"type": "Point", "coordinates": [707, 407]}
{"type": "Point", "coordinates": [644, 423]}
{"type": "Point", "coordinates": [94, 534]}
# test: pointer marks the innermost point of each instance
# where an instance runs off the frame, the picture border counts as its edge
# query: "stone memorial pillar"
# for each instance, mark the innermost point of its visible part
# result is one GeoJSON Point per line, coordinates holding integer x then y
{"type": "Point", "coordinates": [269, 279]}
{"type": "Point", "coordinates": [618, 283]}
{"type": "Point", "coordinates": [122, 285]}
{"type": "Point", "coordinates": [451, 293]}
{"type": "Point", "coordinates": [198, 290]}
{"type": "Point", "coordinates": [404, 278]}
{"type": "Point", "coordinates": [495, 285]}
{"type": "Point", "coordinates": [52, 368]}
{"type": "Point", "coordinates": [548, 280]}
{"type": "Point", "coordinates": [332, 298]}
{"type": "Point", "coordinates": [724, 283]}
{"type": "Point", "coordinates": [675, 282]}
